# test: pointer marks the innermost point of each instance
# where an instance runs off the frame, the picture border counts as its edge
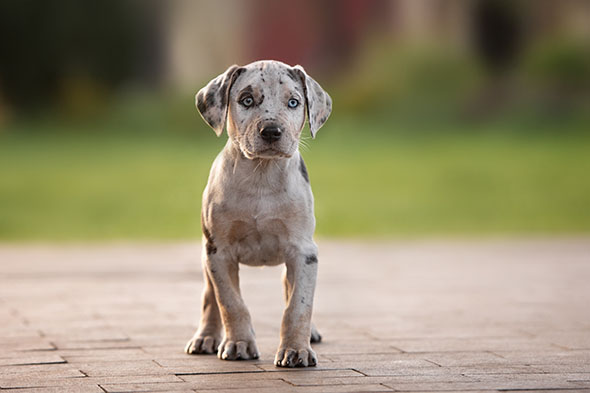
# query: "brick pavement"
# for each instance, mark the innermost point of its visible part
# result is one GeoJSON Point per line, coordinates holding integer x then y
{"type": "Point", "coordinates": [495, 315]}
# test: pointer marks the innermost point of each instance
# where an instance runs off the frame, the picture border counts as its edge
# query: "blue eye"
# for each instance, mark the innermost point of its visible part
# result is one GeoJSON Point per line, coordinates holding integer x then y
{"type": "Point", "coordinates": [248, 101]}
{"type": "Point", "coordinates": [293, 103]}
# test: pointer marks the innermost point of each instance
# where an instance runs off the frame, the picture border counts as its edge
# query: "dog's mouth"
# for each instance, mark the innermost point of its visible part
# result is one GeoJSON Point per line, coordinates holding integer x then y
{"type": "Point", "coordinates": [266, 153]}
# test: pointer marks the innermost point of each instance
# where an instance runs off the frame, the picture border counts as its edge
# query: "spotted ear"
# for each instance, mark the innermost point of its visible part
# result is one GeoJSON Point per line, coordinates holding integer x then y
{"type": "Point", "coordinates": [212, 100]}
{"type": "Point", "coordinates": [319, 103]}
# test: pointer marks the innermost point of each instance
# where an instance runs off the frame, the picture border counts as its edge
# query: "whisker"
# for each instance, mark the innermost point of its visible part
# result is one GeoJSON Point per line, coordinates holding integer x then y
{"type": "Point", "coordinates": [256, 167]}
{"type": "Point", "coordinates": [277, 165]}
{"type": "Point", "coordinates": [235, 165]}
{"type": "Point", "coordinates": [253, 171]}
{"type": "Point", "coordinates": [303, 145]}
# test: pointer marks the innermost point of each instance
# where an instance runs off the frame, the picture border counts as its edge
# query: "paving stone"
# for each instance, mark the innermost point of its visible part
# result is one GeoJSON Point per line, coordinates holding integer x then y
{"type": "Point", "coordinates": [481, 385]}
{"type": "Point", "coordinates": [220, 382]}
{"type": "Point", "coordinates": [38, 379]}
{"type": "Point", "coordinates": [305, 373]}
{"type": "Point", "coordinates": [569, 390]}
{"type": "Point", "coordinates": [108, 355]}
{"type": "Point", "coordinates": [451, 344]}
{"type": "Point", "coordinates": [64, 389]}
{"type": "Point", "coordinates": [67, 334]}
{"type": "Point", "coordinates": [355, 346]}
{"type": "Point", "coordinates": [310, 389]}
{"type": "Point", "coordinates": [450, 359]}
{"type": "Point", "coordinates": [22, 344]}
{"type": "Point", "coordinates": [13, 329]}
{"type": "Point", "coordinates": [130, 379]}
{"type": "Point", "coordinates": [167, 352]}
{"type": "Point", "coordinates": [121, 368]}
{"type": "Point", "coordinates": [29, 358]}
{"type": "Point", "coordinates": [486, 369]}
{"type": "Point", "coordinates": [147, 387]}
{"type": "Point", "coordinates": [563, 368]}
{"type": "Point", "coordinates": [556, 357]}
{"type": "Point", "coordinates": [61, 369]}
{"type": "Point", "coordinates": [98, 344]}
{"type": "Point", "coordinates": [47, 380]}
{"type": "Point", "coordinates": [527, 381]}
{"type": "Point", "coordinates": [259, 379]}
{"type": "Point", "coordinates": [570, 340]}
{"type": "Point", "coordinates": [393, 365]}
{"type": "Point", "coordinates": [326, 366]}
{"type": "Point", "coordinates": [361, 380]}
{"type": "Point", "coordinates": [206, 364]}
{"type": "Point", "coordinates": [343, 388]}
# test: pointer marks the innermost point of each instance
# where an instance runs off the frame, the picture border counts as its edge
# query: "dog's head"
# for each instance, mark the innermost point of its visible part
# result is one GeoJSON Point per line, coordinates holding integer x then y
{"type": "Point", "coordinates": [264, 105]}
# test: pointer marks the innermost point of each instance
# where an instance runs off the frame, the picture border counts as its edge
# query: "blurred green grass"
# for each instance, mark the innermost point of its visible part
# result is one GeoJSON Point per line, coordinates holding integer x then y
{"type": "Point", "coordinates": [140, 177]}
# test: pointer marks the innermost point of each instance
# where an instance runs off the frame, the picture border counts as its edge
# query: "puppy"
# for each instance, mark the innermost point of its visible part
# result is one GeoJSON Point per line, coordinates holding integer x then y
{"type": "Point", "coordinates": [258, 206]}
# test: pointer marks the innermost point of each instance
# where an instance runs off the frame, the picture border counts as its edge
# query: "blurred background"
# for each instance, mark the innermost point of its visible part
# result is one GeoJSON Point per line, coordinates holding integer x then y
{"type": "Point", "coordinates": [451, 117]}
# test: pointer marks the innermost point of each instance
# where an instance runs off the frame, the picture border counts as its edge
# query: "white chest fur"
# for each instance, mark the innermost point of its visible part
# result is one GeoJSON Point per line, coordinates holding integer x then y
{"type": "Point", "coordinates": [258, 212]}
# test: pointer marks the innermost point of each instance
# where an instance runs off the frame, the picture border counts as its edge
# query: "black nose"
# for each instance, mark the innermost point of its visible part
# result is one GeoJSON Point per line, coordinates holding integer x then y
{"type": "Point", "coordinates": [271, 133]}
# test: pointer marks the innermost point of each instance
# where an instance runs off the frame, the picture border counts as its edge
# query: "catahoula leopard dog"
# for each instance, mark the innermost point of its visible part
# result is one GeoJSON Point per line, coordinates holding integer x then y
{"type": "Point", "coordinates": [258, 206]}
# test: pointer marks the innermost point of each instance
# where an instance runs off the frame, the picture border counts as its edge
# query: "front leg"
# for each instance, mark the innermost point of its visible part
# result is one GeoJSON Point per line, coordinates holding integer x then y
{"type": "Point", "coordinates": [316, 337]}
{"type": "Point", "coordinates": [238, 341]}
{"type": "Point", "coordinates": [294, 348]}
{"type": "Point", "coordinates": [208, 336]}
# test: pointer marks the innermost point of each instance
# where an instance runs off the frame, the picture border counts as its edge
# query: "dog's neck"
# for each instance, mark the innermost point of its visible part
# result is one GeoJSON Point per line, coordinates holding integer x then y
{"type": "Point", "coordinates": [265, 172]}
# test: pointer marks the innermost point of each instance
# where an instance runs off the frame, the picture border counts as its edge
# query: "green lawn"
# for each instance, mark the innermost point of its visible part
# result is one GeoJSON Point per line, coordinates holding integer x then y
{"type": "Point", "coordinates": [369, 179]}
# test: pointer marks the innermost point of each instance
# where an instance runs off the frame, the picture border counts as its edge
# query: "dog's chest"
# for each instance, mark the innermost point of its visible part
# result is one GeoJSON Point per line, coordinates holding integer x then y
{"type": "Point", "coordinates": [258, 215]}
{"type": "Point", "coordinates": [260, 229]}
{"type": "Point", "coordinates": [259, 232]}
{"type": "Point", "coordinates": [257, 241]}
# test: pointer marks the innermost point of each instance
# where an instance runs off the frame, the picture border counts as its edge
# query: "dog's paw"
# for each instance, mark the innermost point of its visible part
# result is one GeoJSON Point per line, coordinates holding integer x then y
{"type": "Point", "coordinates": [238, 350]}
{"type": "Point", "coordinates": [202, 344]}
{"type": "Point", "coordinates": [291, 357]}
{"type": "Point", "coordinates": [316, 337]}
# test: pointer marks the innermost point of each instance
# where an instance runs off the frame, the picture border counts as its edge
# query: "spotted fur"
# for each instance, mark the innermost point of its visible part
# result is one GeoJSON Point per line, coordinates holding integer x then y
{"type": "Point", "coordinates": [211, 100]}
{"type": "Point", "coordinates": [258, 207]}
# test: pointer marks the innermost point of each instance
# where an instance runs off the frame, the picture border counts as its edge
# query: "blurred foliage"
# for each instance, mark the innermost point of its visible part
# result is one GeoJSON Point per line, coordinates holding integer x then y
{"type": "Point", "coordinates": [559, 64]}
{"type": "Point", "coordinates": [394, 79]}
{"type": "Point", "coordinates": [420, 84]}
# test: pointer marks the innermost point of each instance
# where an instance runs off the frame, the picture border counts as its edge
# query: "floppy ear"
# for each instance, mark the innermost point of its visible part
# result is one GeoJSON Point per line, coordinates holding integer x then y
{"type": "Point", "coordinates": [212, 100]}
{"type": "Point", "coordinates": [319, 103]}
